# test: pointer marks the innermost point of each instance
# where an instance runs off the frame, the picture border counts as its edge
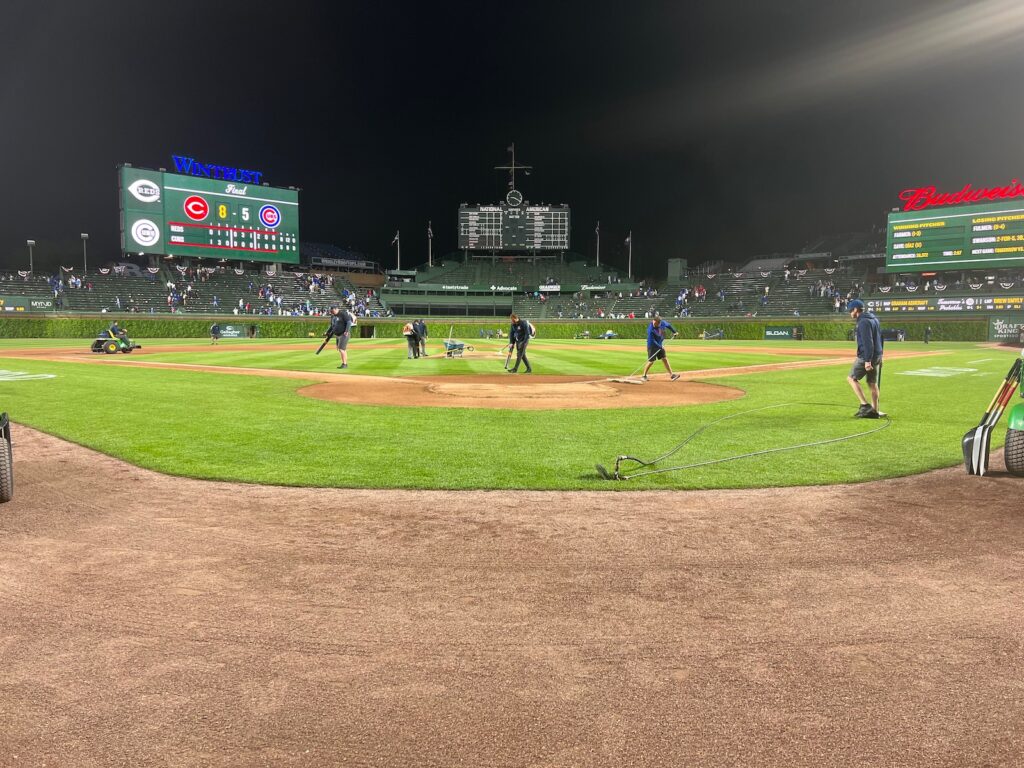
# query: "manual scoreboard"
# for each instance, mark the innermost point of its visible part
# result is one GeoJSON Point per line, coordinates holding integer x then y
{"type": "Point", "coordinates": [963, 237]}
{"type": "Point", "coordinates": [171, 214]}
{"type": "Point", "coordinates": [506, 227]}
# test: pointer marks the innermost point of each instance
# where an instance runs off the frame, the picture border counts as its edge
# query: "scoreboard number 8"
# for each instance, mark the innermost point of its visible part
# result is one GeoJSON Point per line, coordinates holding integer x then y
{"type": "Point", "coordinates": [222, 211]}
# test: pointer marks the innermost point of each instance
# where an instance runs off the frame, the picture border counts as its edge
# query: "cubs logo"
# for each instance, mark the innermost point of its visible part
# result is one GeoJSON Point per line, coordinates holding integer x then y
{"type": "Point", "coordinates": [270, 216]}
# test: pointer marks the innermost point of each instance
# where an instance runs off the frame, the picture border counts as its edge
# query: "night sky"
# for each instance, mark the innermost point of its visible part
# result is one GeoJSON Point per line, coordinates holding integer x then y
{"type": "Point", "coordinates": [711, 130]}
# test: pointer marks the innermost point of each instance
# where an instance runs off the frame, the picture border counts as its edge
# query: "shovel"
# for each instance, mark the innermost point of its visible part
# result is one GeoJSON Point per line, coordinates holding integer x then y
{"type": "Point", "coordinates": [976, 442]}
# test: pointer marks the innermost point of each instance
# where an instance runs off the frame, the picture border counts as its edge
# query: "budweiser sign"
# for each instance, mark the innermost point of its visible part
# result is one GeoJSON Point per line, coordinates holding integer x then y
{"type": "Point", "coordinates": [919, 198]}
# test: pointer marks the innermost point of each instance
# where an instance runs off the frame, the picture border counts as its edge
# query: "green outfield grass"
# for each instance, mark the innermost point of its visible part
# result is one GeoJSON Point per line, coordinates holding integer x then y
{"type": "Point", "coordinates": [257, 429]}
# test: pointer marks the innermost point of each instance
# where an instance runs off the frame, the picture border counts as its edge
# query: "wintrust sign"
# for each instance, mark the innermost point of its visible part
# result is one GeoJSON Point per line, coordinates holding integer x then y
{"type": "Point", "coordinates": [192, 167]}
{"type": "Point", "coordinates": [919, 198]}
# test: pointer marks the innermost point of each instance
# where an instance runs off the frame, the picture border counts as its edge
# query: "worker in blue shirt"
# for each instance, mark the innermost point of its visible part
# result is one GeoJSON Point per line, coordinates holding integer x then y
{"type": "Point", "coordinates": [656, 345]}
{"type": "Point", "coordinates": [519, 335]}
{"type": "Point", "coordinates": [869, 359]}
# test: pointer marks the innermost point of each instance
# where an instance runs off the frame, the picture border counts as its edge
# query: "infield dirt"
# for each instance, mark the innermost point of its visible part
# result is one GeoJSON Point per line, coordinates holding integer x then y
{"type": "Point", "coordinates": [157, 621]}
{"type": "Point", "coordinates": [504, 391]}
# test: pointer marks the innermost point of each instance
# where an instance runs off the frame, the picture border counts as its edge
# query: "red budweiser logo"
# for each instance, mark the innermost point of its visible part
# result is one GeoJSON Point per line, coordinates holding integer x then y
{"type": "Point", "coordinates": [925, 197]}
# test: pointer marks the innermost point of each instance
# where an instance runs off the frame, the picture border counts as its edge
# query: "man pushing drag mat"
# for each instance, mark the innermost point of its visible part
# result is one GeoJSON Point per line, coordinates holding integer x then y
{"type": "Point", "coordinates": [656, 346]}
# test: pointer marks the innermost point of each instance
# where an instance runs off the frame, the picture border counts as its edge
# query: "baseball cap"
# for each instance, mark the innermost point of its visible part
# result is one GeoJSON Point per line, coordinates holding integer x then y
{"type": "Point", "coordinates": [855, 304]}
{"type": "Point", "coordinates": [656, 316]}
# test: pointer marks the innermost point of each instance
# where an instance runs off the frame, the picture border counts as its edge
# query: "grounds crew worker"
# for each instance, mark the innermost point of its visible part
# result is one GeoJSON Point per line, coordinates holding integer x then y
{"type": "Point", "coordinates": [215, 333]}
{"type": "Point", "coordinates": [409, 331]}
{"type": "Point", "coordinates": [519, 334]}
{"type": "Point", "coordinates": [656, 345]}
{"type": "Point", "coordinates": [869, 359]}
{"type": "Point", "coordinates": [421, 336]}
{"type": "Point", "coordinates": [341, 330]}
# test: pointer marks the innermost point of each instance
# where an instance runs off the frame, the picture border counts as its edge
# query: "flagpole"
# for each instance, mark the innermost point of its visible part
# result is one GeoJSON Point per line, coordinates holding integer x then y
{"type": "Point", "coordinates": [399, 244]}
{"type": "Point", "coordinates": [430, 246]}
{"type": "Point", "coordinates": [597, 231]}
{"type": "Point", "coordinates": [630, 270]}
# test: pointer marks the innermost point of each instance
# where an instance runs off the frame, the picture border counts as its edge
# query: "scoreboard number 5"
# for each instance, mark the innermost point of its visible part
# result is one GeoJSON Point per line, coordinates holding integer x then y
{"type": "Point", "coordinates": [245, 213]}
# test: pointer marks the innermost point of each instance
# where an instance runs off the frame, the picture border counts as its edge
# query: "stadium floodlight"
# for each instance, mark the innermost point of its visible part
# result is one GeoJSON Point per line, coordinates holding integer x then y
{"type": "Point", "coordinates": [31, 244]}
{"type": "Point", "coordinates": [85, 255]}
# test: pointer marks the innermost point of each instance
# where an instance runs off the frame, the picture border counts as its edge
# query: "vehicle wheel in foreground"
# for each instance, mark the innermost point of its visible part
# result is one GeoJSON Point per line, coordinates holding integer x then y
{"type": "Point", "coordinates": [110, 347]}
{"type": "Point", "coordinates": [6, 470]}
{"type": "Point", "coordinates": [1014, 452]}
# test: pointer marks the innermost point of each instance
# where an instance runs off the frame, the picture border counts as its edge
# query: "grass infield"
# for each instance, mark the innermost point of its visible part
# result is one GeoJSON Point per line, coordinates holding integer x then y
{"type": "Point", "coordinates": [257, 429]}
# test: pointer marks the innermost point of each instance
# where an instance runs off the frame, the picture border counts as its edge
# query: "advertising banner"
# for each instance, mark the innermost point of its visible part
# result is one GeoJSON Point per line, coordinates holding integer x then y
{"type": "Point", "coordinates": [1005, 328]}
{"type": "Point", "coordinates": [26, 304]}
{"type": "Point", "coordinates": [784, 332]}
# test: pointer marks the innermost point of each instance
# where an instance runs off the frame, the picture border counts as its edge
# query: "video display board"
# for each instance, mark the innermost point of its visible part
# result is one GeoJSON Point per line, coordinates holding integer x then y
{"type": "Point", "coordinates": [503, 227]}
{"type": "Point", "coordinates": [962, 237]}
{"type": "Point", "coordinates": [952, 304]}
{"type": "Point", "coordinates": [167, 213]}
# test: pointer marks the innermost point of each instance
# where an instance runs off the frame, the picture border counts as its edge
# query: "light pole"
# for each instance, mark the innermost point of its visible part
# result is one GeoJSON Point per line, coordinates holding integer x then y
{"type": "Point", "coordinates": [85, 255]}
{"type": "Point", "coordinates": [31, 245]}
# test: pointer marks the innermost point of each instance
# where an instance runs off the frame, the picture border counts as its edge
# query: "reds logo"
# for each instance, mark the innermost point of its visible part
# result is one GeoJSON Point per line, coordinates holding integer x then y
{"type": "Point", "coordinates": [196, 208]}
{"type": "Point", "coordinates": [270, 216]}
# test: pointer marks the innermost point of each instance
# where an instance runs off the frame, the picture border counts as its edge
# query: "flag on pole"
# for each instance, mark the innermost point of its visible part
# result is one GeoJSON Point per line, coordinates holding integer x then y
{"type": "Point", "coordinates": [629, 238]}
{"type": "Point", "coordinates": [597, 229]}
{"type": "Point", "coordinates": [511, 147]}
{"type": "Point", "coordinates": [430, 232]}
{"type": "Point", "coordinates": [395, 240]}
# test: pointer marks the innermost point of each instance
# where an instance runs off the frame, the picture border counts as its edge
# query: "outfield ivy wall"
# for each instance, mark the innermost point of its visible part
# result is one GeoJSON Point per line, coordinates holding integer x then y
{"type": "Point", "coordinates": [974, 328]}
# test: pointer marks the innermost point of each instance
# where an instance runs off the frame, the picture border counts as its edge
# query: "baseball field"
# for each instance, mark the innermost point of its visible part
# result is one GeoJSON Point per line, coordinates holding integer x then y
{"type": "Point", "coordinates": [449, 580]}
{"type": "Point", "coordinates": [276, 413]}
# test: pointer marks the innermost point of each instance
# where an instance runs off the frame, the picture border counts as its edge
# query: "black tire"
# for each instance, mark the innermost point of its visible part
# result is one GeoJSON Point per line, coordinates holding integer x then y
{"type": "Point", "coordinates": [126, 350]}
{"type": "Point", "coordinates": [1013, 453]}
{"type": "Point", "coordinates": [110, 347]}
{"type": "Point", "coordinates": [6, 470]}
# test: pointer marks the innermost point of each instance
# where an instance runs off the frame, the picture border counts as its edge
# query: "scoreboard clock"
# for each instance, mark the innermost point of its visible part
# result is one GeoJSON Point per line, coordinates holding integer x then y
{"type": "Point", "coordinates": [512, 226]}
{"type": "Point", "coordinates": [962, 237]}
{"type": "Point", "coordinates": [172, 214]}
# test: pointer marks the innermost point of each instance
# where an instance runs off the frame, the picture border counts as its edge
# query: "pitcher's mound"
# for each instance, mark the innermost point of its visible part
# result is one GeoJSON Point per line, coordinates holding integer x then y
{"type": "Point", "coordinates": [518, 392]}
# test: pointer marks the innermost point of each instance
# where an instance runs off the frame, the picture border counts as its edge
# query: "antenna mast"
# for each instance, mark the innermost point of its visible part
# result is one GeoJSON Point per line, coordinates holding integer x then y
{"type": "Point", "coordinates": [512, 167]}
